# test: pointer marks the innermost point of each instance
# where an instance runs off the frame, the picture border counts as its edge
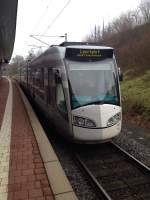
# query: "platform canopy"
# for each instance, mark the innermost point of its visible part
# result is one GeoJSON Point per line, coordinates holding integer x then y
{"type": "Point", "coordinates": [8, 15]}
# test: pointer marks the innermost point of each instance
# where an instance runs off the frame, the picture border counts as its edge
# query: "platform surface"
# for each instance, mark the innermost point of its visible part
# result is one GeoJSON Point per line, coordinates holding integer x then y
{"type": "Point", "coordinates": [29, 168]}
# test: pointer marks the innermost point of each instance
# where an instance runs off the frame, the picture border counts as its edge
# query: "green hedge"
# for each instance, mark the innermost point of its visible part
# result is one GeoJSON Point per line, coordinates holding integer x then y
{"type": "Point", "coordinates": [136, 95]}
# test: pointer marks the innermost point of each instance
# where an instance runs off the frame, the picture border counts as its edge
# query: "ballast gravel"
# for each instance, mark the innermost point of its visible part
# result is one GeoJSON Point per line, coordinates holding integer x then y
{"type": "Point", "coordinates": [78, 181]}
{"type": "Point", "coordinates": [134, 140]}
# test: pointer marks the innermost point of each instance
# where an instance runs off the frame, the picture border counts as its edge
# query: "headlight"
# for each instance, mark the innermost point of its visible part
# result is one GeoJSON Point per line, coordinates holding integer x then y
{"type": "Point", "coordinates": [114, 120]}
{"type": "Point", "coordinates": [83, 122]}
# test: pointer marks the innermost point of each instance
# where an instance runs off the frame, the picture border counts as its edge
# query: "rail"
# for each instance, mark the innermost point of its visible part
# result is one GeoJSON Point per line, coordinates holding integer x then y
{"type": "Point", "coordinates": [113, 172]}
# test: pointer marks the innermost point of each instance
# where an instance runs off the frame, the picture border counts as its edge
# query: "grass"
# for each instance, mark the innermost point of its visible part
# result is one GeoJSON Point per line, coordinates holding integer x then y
{"type": "Point", "coordinates": [136, 96]}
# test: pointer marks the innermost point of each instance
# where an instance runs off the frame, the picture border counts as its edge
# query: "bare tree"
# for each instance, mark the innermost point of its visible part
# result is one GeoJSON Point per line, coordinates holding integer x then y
{"type": "Point", "coordinates": [31, 56]}
{"type": "Point", "coordinates": [145, 10]}
{"type": "Point", "coordinates": [18, 60]}
{"type": "Point", "coordinates": [107, 31]}
{"type": "Point", "coordinates": [136, 14]}
{"type": "Point", "coordinates": [12, 68]}
{"type": "Point", "coordinates": [95, 35]}
{"type": "Point", "coordinates": [123, 23]}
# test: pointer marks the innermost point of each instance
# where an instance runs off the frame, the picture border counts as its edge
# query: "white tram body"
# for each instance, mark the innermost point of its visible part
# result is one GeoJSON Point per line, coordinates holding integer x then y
{"type": "Point", "coordinates": [76, 86]}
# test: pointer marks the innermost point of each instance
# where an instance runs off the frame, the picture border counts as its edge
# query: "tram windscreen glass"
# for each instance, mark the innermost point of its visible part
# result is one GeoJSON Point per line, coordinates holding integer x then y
{"type": "Point", "coordinates": [75, 54]}
{"type": "Point", "coordinates": [92, 83]}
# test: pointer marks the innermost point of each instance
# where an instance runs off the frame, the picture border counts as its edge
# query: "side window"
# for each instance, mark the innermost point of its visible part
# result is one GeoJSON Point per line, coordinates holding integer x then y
{"type": "Point", "coordinates": [49, 85]}
{"type": "Point", "coordinates": [60, 98]}
{"type": "Point", "coordinates": [30, 74]}
{"type": "Point", "coordinates": [41, 78]}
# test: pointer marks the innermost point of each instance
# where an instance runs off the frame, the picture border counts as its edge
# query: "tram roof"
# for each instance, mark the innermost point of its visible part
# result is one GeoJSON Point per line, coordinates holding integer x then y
{"type": "Point", "coordinates": [89, 45]}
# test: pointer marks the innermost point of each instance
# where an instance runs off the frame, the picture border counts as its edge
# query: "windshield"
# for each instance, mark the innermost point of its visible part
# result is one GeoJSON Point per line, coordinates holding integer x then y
{"type": "Point", "coordinates": [92, 83]}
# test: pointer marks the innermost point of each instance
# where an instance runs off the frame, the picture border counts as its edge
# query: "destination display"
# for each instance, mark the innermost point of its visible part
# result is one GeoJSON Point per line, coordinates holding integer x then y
{"type": "Point", "coordinates": [88, 54]}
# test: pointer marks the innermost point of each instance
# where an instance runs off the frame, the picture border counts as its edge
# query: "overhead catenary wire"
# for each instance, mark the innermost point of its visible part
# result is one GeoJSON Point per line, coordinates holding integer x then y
{"type": "Point", "coordinates": [49, 26]}
{"type": "Point", "coordinates": [45, 11]}
{"type": "Point", "coordinates": [33, 45]}
{"type": "Point", "coordinates": [35, 37]}
{"type": "Point", "coordinates": [41, 17]}
{"type": "Point", "coordinates": [39, 40]}
{"type": "Point", "coordinates": [49, 35]}
{"type": "Point", "coordinates": [57, 16]}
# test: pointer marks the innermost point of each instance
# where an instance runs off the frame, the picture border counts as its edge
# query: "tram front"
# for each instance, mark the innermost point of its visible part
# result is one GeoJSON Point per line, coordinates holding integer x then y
{"type": "Point", "coordinates": [94, 93]}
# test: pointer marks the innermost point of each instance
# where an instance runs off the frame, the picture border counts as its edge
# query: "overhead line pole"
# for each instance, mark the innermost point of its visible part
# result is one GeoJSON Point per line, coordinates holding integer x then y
{"type": "Point", "coordinates": [66, 37]}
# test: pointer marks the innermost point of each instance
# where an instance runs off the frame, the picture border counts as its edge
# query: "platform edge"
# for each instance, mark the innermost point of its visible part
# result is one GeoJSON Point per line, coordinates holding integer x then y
{"type": "Point", "coordinates": [48, 155]}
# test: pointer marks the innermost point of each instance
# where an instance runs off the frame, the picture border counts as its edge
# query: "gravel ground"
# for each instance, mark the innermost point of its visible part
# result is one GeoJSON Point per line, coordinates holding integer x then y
{"type": "Point", "coordinates": [78, 181]}
{"type": "Point", "coordinates": [136, 141]}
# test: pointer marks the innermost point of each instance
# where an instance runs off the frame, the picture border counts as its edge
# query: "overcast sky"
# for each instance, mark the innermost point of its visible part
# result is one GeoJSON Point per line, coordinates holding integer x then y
{"type": "Point", "coordinates": [77, 19]}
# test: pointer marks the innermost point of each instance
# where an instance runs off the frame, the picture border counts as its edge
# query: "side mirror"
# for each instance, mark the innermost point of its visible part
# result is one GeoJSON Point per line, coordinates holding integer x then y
{"type": "Point", "coordinates": [120, 75]}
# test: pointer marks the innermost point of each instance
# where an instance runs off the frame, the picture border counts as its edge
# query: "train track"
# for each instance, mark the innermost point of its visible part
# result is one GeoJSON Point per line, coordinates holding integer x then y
{"type": "Point", "coordinates": [115, 174]}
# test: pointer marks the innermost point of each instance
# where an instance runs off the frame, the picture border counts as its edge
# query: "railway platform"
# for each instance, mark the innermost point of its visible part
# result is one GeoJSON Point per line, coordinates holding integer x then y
{"type": "Point", "coordinates": [29, 167]}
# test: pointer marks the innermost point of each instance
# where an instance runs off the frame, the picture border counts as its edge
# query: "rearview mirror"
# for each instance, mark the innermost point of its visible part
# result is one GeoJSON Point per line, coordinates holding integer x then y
{"type": "Point", "coordinates": [120, 74]}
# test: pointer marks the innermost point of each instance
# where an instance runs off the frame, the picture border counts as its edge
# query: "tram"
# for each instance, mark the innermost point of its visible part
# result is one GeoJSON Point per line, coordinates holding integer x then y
{"type": "Point", "coordinates": [76, 85]}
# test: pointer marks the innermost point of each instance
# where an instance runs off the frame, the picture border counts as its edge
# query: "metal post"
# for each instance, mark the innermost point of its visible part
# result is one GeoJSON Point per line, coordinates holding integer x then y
{"type": "Point", "coordinates": [20, 74]}
{"type": "Point", "coordinates": [28, 64]}
{"type": "Point", "coordinates": [65, 37]}
{"type": "Point", "coordinates": [95, 33]}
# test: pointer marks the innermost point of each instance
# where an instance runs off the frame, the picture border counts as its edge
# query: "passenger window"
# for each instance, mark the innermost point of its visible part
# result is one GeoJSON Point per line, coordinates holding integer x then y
{"type": "Point", "coordinates": [49, 86]}
{"type": "Point", "coordinates": [39, 78]}
{"type": "Point", "coordinates": [60, 98]}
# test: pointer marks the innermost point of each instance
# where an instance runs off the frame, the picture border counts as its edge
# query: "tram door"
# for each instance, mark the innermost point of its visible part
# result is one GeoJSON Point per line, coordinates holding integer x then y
{"type": "Point", "coordinates": [61, 114]}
